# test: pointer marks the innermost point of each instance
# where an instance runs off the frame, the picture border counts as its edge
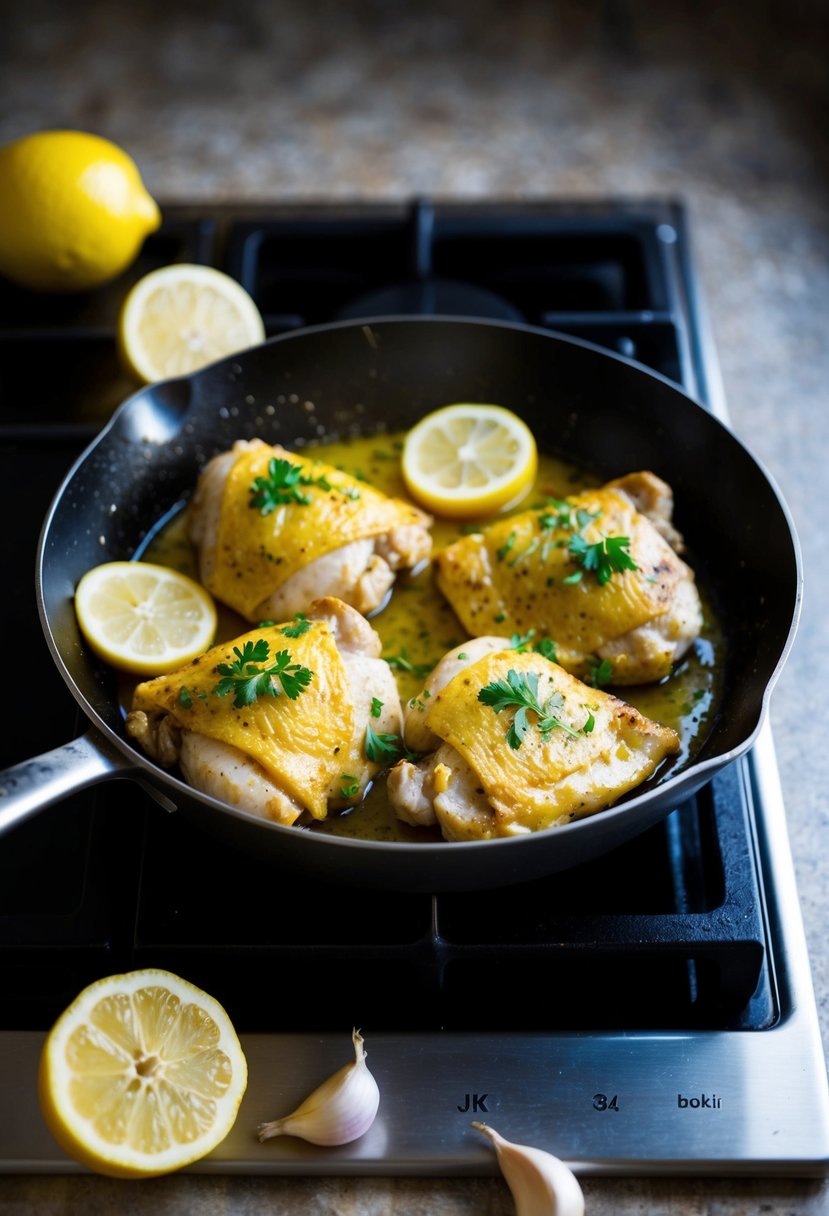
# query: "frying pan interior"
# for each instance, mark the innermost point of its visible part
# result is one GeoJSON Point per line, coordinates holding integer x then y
{"type": "Point", "coordinates": [596, 410]}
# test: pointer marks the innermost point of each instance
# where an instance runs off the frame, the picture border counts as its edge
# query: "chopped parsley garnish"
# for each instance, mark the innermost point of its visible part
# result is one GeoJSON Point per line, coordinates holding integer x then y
{"type": "Point", "coordinates": [402, 662]}
{"type": "Point", "coordinates": [350, 785]}
{"type": "Point", "coordinates": [603, 559]}
{"type": "Point", "coordinates": [381, 748]}
{"type": "Point", "coordinates": [247, 677]}
{"type": "Point", "coordinates": [560, 513]}
{"type": "Point", "coordinates": [505, 548]}
{"type": "Point", "coordinates": [519, 691]}
{"type": "Point", "coordinates": [185, 697]}
{"type": "Point", "coordinates": [546, 647]}
{"type": "Point", "coordinates": [300, 625]}
{"type": "Point", "coordinates": [376, 707]}
{"type": "Point", "coordinates": [283, 484]}
{"type": "Point", "coordinates": [599, 671]}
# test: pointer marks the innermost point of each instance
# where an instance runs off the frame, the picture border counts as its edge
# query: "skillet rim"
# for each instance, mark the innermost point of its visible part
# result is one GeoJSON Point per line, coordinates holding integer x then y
{"type": "Point", "coordinates": [673, 789]}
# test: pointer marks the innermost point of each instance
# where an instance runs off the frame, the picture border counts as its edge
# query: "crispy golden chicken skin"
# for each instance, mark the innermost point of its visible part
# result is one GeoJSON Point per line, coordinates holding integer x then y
{"type": "Point", "coordinates": [597, 573]}
{"type": "Point", "coordinates": [274, 530]}
{"type": "Point", "coordinates": [520, 745]}
{"type": "Point", "coordinates": [294, 750]}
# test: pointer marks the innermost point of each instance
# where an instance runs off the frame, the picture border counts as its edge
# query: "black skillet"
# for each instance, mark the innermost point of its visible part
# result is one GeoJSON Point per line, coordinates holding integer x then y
{"type": "Point", "coordinates": [598, 410]}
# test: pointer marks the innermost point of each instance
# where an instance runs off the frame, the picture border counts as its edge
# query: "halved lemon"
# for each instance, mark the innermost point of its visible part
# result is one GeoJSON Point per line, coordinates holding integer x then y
{"type": "Point", "coordinates": [182, 317]}
{"type": "Point", "coordinates": [467, 460]}
{"type": "Point", "coordinates": [142, 1074]}
{"type": "Point", "coordinates": [144, 618]}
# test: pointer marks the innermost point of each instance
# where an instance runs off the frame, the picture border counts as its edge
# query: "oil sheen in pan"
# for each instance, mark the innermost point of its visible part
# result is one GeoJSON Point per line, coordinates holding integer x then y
{"type": "Point", "coordinates": [417, 625]}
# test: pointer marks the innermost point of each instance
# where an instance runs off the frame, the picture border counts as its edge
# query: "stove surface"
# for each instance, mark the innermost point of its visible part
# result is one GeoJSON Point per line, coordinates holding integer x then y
{"type": "Point", "coordinates": [650, 1011]}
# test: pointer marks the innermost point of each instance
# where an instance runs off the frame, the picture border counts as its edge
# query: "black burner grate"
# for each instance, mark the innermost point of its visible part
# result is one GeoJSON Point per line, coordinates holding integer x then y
{"type": "Point", "coordinates": [666, 932]}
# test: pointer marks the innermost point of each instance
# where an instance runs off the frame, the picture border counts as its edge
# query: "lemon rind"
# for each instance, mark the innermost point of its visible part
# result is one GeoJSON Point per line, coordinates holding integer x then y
{"type": "Point", "coordinates": [74, 1133]}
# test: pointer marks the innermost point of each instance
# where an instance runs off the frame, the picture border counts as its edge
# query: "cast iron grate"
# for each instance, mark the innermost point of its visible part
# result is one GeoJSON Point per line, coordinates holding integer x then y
{"type": "Point", "coordinates": [667, 932]}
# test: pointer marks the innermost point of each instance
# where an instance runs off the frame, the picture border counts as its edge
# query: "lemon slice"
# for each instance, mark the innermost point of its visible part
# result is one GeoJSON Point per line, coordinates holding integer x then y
{"type": "Point", "coordinates": [182, 317]}
{"type": "Point", "coordinates": [142, 1074]}
{"type": "Point", "coordinates": [142, 618]}
{"type": "Point", "coordinates": [467, 460]}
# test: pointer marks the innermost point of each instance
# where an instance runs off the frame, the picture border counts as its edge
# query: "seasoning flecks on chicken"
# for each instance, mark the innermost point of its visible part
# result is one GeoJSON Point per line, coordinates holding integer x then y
{"type": "Point", "coordinates": [416, 733]}
{"type": "Point", "coordinates": [592, 573]}
{"type": "Point", "coordinates": [275, 529]}
{"type": "Point", "coordinates": [286, 759]}
{"type": "Point", "coordinates": [487, 778]}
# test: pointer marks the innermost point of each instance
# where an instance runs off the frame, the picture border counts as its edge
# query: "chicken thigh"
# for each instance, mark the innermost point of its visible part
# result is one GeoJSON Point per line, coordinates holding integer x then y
{"type": "Point", "coordinates": [597, 573]}
{"type": "Point", "coordinates": [275, 722]}
{"type": "Point", "coordinates": [274, 530]}
{"type": "Point", "coordinates": [520, 746]}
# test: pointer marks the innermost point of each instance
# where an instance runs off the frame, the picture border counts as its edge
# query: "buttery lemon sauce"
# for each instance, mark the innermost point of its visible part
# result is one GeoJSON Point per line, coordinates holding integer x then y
{"type": "Point", "coordinates": [417, 625]}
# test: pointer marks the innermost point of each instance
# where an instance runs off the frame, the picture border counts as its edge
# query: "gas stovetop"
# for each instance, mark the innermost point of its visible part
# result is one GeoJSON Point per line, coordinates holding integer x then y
{"type": "Point", "coordinates": [651, 1011]}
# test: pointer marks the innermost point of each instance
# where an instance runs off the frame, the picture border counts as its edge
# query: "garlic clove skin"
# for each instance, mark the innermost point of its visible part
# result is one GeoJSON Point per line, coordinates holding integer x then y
{"type": "Point", "coordinates": [540, 1183]}
{"type": "Point", "coordinates": [340, 1110]}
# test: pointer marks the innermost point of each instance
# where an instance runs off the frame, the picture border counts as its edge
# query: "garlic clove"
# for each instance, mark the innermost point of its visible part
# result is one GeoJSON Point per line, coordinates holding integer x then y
{"type": "Point", "coordinates": [340, 1110]}
{"type": "Point", "coordinates": [540, 1183]}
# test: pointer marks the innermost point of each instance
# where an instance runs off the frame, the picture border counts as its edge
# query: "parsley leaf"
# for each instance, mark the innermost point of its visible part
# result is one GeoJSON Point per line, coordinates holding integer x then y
{"type": "Point", "coordinates": [248, 679]}
{"type": "Point", "coordinates": [603, 559]}
{"type": "Point", "coordinates": [376, 707]}
{"type": "Point", "coordinates": [599, 671]}
{"type": "Point", "coordinates": [282, 485]}
{"type": "Point", "coordinates": [505, 548]}
{"type": "Point", "coordinates": [546, 647]}
{"type": "Point", "coordinates": [350, 785]}
{"type": "Point", "coordinates": [402, 662]}
{"type": "Point", "coordinates": [564, 515]}
{"type": "Point", "coordinates": [381, 748]}
{"type": "Point", "coordinates": [520, 691]}
{"type": "Point", "coordinates": [300, 625]}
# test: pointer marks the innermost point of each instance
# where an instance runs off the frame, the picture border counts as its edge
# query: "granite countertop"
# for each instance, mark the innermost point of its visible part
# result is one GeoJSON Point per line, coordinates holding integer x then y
{"type": "Point", "coordinates": [705, 102]}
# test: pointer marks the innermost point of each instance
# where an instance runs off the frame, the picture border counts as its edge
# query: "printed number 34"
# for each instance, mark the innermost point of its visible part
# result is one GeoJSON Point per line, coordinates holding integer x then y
{"type": "Point", "coordinates": [602, 1102]}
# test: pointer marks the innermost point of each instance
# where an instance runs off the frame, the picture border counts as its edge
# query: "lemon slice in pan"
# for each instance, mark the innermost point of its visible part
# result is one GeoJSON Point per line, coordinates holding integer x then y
{"type": "Point", "coordinates": [467, 460]}
{"type": "Point", "coordinates": [142, 1074]}
{"type": "Point", "coordinates": [143, 618]}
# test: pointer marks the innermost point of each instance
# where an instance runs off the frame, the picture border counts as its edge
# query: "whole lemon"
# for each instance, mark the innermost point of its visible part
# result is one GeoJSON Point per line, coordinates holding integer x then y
{"type": "Point", "coordinates": [75, 211]}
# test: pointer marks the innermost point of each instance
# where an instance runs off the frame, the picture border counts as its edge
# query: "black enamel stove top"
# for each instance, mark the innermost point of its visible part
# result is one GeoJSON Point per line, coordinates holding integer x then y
{"type": "Point", "coordinates": [643, 1010]}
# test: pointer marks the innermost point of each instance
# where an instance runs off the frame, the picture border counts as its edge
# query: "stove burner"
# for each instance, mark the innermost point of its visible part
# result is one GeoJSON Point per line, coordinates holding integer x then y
{"type": "Point", "coordinates": [680, 957]}
{"type": "Point", "coordinates": [440, 297]}
{"type": "Point", "coordinates": [427, 294]}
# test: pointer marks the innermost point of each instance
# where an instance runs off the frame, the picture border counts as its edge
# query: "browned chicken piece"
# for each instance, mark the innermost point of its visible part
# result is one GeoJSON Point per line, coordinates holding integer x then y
{"type": "Point", "coordinates": [285, 760]}
{"type": "Point", "coordinates": [274, 530]}
{"type": "Point", "coordinates": [654, 498]}
{"type": "Point", "coordinates": [595, 574]}
{"type": "Point", "coordinates": [500, 767]}
{"type": "Point", "coordinates": [416, 733]}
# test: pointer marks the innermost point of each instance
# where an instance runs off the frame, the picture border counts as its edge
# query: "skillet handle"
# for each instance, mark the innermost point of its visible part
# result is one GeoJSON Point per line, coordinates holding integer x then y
{"type": "Point", "coordinates": [34, 784]}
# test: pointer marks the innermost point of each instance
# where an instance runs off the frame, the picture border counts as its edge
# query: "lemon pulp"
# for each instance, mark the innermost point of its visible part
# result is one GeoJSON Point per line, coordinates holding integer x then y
{"type": "Point", "coordinates": [143, 1073]}
{"type": "Point", "coordinates": [179, 318]}
{"type": "Point", "coordinates": [470, 459]}
{"type": "Point", "coordinates": [144, 618]}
